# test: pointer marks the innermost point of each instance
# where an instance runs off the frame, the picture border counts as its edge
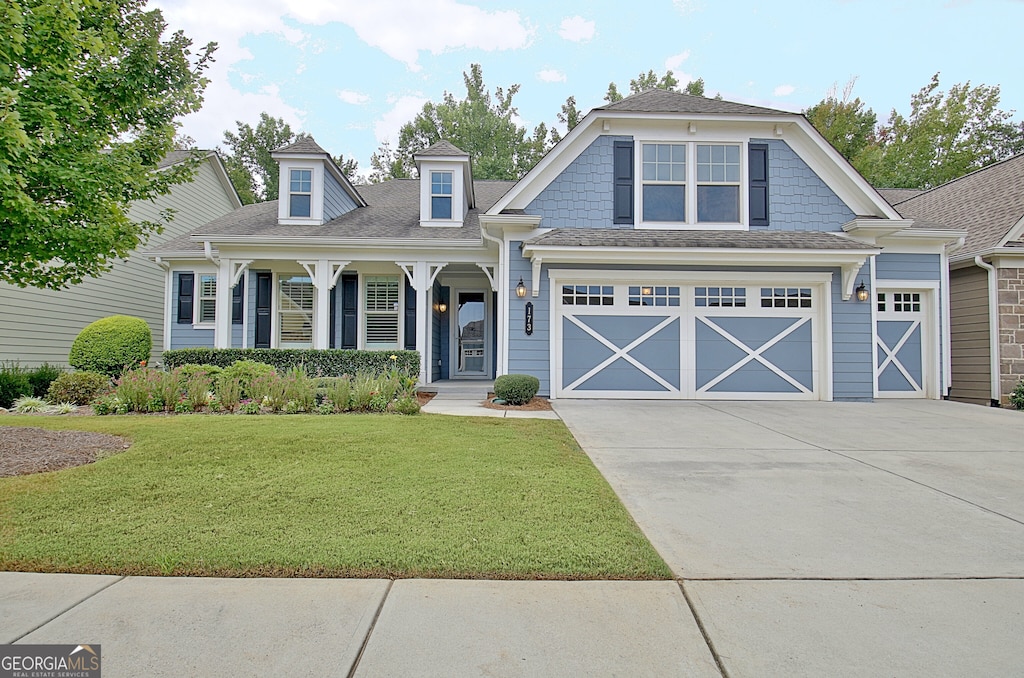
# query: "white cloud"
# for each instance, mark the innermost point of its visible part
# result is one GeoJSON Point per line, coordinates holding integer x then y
{"type": "Point", "coordinates": [399, 29]}
{"type": "Point", "coordinates": [674, 62]}
{"type": "Point", "coordinates": [354, 98]}
{"type": "Point", "coordinates": [551, 75]}
{"type": "Point", "coordinates": [577, 29]}
{"type": "Point", "coordinates": [403, 110]}
{"type": "Point", "coordinates": [784, 90]}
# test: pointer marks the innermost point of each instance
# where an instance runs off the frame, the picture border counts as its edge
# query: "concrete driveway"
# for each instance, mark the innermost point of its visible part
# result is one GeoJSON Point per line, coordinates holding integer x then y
{"type": "Point", "coordinates": [830, 538]}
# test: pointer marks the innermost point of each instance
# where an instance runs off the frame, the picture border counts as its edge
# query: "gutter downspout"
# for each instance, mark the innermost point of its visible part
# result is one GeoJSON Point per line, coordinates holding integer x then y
{"type": "Point", "coordinates": [993, 331]}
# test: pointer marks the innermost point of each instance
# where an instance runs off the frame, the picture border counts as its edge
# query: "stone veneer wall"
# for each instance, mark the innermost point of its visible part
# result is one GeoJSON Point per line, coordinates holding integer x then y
{"type": "Point", "coordinates": [1011, 330]}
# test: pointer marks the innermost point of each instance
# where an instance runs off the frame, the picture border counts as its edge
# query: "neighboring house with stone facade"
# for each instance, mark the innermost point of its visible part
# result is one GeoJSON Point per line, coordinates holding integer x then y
{"type": "Point", "coordinates": [986, 276]}
{"type": "Point", "coordinates": [39, 325]}
{"type": "Point", "coordinates": [669, 246]}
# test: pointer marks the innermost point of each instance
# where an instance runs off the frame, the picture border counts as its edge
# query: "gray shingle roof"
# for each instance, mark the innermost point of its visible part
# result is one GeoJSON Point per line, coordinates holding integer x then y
{"type": "Point", "coordinates": [174, 157]}
{"type": "Point", "coordinates": [442, 148]}
{"type": "Point", "coordinates": [392, 212]}
{"type": "Point", "coordinates": [986, 203]}
{"type": "Point", "coordinates": [611, 237]}
{"type": "Point", "coordinates": [894, 196]}
{"type": "Point", "coordinates": [665, 101]}
{"type": "Point", "coordinates": [303, 145]}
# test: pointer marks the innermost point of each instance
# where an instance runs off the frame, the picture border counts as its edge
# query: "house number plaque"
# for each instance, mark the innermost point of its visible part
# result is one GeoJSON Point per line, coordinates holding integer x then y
{"type": "Point", "coordinates": [529, 318]}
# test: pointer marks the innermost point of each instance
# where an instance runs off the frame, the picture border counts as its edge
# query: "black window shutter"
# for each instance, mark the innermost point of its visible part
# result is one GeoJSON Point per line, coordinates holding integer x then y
{"type": "Point", "coordinates": [237, 295]}
{"type": "Point", "coordinates": [349, 310]}
{"type": "Point", "coordinates": [758, 169]}
{"type": "Point", "coordinates": [333, 327]}
{"type": "Point", "coordinates": [263, 295]}
{"type": "Point", "coordinates": [186, 289]}
{"type": "Point", "coordinates": [410, 317]}
{"type": "Point", "coordinates": [622, 169]}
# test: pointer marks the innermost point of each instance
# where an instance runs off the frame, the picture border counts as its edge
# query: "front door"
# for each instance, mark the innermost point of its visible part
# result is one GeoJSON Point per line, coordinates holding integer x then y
{"type": "Point", "coordinates": [470, 341]}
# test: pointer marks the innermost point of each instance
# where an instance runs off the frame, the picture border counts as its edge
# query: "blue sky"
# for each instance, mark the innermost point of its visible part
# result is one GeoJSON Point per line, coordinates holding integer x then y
{"type": "Point", "coordinates": [352, 72]}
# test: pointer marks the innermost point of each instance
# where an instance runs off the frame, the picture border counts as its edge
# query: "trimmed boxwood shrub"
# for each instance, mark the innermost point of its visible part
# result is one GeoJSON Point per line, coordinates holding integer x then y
{"type": "Point", "coordinates": [80, 388]}
{"type": "Point", "coordinates": [1017, 396]}
{"type": "Point", "coordinates": [516, 389]}
{"type": "Point", "coordinates": [317, 362]}
{"type": "Point", "coordinates": [111, 344]}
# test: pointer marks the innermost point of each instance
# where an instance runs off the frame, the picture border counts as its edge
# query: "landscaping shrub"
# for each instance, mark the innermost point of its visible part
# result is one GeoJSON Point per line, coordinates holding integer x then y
{"type": "Point", "coordinates": [28, 404]}
{"type": "Point", "coordinates": [112, 344]}
{"type": "Point", "coordinates": [14, 383]}
{"type": "Point", "coordinates": [147, 390]}
{"type": "Point", "coordinates": [407, 405]}
{"type": "Point", "coordinates": [1017, 396]}
{"type": "Point", "coordinates": [229, 392]}
{"type": "Point", "coordinates": [316, 362]}
{"type": "Point", "coordinates": [339, 394]}
{"type": "Point", "coordinates": [516, 389]}
{"type": "Point", "coordinates": [80, 388]}
{"type": "Point", "coordinates": [187, 371]}
{"type": "Point", "coordinates": [245, 371]}
{"type": "Point", "coordinates": [41, 378]}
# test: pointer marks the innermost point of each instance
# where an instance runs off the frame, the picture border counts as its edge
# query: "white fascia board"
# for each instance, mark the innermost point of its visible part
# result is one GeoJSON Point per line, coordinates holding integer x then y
{"type": "Point", "coordinates": [918, 237]}
{"type": "Point", "coordinates": [354, 243]}
{"type": "Point", "coordinates": [1016, 232]}
{"type": "Point", "coordinates": [510, 223]}
{"type": "Point", "coordinates": [225, 181]}
{"type": "Point", "coordinates": [875, 228]}
{"type": "Point", "coordinates": [643, 256]}
{"type": "Point", "coordinates": [177, 256]}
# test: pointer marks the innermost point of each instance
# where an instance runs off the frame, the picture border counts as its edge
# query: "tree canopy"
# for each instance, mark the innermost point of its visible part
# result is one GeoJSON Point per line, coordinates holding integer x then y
{"type": "Point", "coordinates": [947, 135]}
{"type": "Point", "coordinates": [89, 95]}
{"type": "Point", "coordinates": [845, 122]}
{"type": "Point", "coordinates": [650, 80]}
{"type": "Point", "coordinates": [483, 125]}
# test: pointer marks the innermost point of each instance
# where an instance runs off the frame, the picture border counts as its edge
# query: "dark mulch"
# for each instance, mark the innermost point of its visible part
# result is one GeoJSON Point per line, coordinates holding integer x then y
{"type": "Point", "coordinates": [25, 450]}
{"type": "Point", "coordinates": [536, 404]}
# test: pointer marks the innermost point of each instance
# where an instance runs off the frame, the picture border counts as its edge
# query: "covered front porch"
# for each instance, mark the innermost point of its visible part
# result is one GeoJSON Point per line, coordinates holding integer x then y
{"type": "Point", "coordinates": [444, 309]}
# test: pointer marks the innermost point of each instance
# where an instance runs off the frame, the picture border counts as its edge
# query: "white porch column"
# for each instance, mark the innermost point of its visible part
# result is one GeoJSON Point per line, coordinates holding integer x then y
{"type": "Point", "coordinates": [322, 319]}
{"type": "Point", "coordinates": [222, 317]}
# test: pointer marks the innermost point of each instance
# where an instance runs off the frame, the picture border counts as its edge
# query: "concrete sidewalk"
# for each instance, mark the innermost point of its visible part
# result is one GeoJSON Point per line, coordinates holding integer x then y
{"type": "Point", "coordinates": [152, 626]}
{"type": "Point", "coordinates": [466, 399]}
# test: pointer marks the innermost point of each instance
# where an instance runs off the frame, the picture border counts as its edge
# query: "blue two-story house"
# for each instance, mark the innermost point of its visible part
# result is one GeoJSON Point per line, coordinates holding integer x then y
{"type": "Point", "coordinates": [670, 246]}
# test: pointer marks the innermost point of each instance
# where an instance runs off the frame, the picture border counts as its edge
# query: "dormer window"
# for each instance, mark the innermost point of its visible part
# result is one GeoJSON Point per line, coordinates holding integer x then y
{"type": "Point", "coordinates": [440, 195]}
{"type": "Point", "coordinates": [300, 193]}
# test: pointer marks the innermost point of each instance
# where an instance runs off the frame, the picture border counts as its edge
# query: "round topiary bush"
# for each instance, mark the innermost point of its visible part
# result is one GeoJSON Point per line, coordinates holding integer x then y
{"type": "Point", "coordinates": [111, 344]}
{"type": "Point", "coordinates": [516, 389]}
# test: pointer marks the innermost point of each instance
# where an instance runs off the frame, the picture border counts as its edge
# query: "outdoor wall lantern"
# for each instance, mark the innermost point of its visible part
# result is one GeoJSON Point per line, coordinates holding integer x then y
{"type": "Point", "coordinates": [520, 288]}
{"type": "Point", "coordinates": [442, 306]}
{"type": "Point", "coordinates": [862, 293]}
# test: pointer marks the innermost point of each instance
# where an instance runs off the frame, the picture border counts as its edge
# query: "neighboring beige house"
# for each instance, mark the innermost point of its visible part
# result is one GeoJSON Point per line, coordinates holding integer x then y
{"type": "Point", "coordinates": [986, 276]}
{"type": "Point", "coordinates": [38, 325]}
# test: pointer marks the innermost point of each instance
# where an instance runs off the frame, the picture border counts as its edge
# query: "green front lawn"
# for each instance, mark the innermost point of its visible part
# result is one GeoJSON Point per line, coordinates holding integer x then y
{"type": "Point", "coordinates": [338, 496]}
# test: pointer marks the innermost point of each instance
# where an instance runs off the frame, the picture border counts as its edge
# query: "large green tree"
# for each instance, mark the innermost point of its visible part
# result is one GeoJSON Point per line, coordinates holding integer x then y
{"type": "Point", "coordinates": [947, 135]}
{"type": "Point", "coordinates": [483, 125]}
{"type": "Point", "coordinates": [250, 166]}
{"type": "Point", "coordinates": [89, 95]}
{"type": "Point", "coordinates": [845, 122]}
{"type": "Point", "coordinates": [650, 80]}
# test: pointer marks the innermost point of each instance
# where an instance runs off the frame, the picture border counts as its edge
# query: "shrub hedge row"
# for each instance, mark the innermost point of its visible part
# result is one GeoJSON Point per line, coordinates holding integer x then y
{"type": "Point", "coordinates": [316, 362]}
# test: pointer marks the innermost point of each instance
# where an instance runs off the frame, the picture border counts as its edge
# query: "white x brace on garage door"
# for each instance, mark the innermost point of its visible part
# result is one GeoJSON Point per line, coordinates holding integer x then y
{"type": "Point", "coordinates": [690, 335]}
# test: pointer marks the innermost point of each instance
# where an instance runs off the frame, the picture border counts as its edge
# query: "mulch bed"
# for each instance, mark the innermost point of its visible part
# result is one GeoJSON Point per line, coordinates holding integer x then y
{"type": "Point", "coordinates": [536, 404]}
{"type": "Point", "coordinates": [25, 450]}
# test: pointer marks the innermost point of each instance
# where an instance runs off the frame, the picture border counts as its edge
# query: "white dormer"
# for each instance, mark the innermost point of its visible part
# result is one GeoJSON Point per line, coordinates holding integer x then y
{"type": "Point", "coordinates": [446, 185]}
{"type": "Point", "coordinates": [312, 189]}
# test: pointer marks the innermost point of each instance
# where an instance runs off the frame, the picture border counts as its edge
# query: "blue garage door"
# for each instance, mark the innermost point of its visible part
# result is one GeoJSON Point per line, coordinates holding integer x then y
{"type": "Point", "coordinates": [708, 341]}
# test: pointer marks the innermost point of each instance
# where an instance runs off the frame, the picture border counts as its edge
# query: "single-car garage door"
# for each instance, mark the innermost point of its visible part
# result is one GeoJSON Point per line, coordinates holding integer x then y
{"type": "Point", "coordinates": [706, 337]}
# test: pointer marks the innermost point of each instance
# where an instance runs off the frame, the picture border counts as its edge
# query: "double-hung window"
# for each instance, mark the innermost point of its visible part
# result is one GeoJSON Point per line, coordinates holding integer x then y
{"type": "Point", "coordinates": [441, 195]}
{"type": "Point", "coordinates": [690, 183]}
{"type": "Point", "coordinates": [206, 300]}
{"type": "Point", "coordinates": [381, 308]}
{"type": "Point", "coordinates": [718, 183]}
{"type": "Point", "coordinates": [664, 182]}
{"type": "Point", "coordinates": [300, 193]}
